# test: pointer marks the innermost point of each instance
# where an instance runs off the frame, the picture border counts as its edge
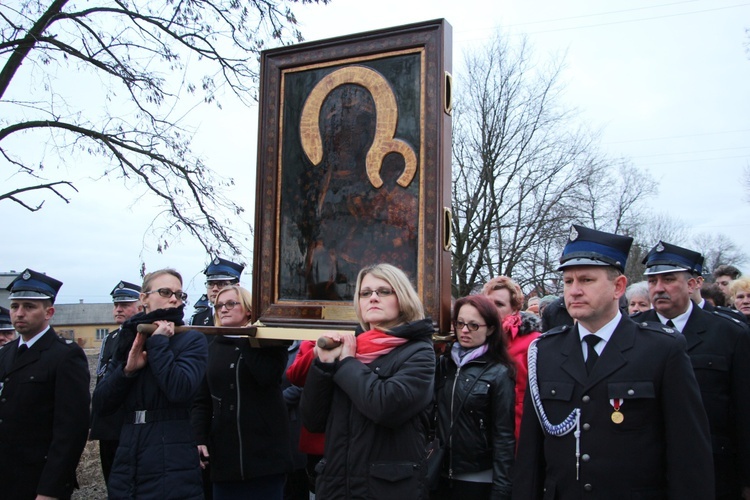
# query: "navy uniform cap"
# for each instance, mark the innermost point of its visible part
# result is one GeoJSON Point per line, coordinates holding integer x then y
{"type": "Point", "coordinates": [35, 286]}
{"type": "Point", "coordinates": [202, 304]}
{"type": "Point", "coordinates": [221, 269]}
{"type": "Point", "coordinates": [589, 247]}
{"type": "Point", "coordinates": [668, 258]}
{"type": "Point", "coordinates": [125, 292]}
{"type": "Point", "coordinates": [5, 324]}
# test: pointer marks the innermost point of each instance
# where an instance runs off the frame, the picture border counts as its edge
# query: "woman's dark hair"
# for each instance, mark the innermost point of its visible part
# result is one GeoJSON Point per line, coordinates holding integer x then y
{"type": "Point", "coordinates": [497, 350]}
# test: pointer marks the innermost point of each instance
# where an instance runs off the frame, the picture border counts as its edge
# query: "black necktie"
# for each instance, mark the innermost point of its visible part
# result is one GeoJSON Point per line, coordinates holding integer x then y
{"type": "Point", "coordinates": [21, 349]}
{"type": "Point", "coordinates": [591, 341]}
{"type": "Point", "coordinates": [670, 324]}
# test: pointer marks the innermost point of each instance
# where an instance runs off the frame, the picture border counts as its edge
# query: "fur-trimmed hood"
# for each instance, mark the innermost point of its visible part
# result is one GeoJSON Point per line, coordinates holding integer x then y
{"type": "Point", "coordinates": [521, 323]}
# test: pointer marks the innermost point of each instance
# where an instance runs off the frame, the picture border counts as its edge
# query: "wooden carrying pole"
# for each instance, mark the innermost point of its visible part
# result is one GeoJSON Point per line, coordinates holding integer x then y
{"type": "Point", "coordinates": [266, 336]}
{"type": "Point", "coordinates": [259, 336]}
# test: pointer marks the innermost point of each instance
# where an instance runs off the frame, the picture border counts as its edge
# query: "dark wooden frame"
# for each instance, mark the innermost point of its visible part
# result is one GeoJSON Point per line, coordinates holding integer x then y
{"type": "Point", "coordinates": [432, 41]}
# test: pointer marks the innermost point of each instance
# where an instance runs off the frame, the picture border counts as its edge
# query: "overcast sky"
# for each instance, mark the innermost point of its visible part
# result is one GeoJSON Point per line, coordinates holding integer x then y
{"type": "Point", "coordinates": [668, 84]}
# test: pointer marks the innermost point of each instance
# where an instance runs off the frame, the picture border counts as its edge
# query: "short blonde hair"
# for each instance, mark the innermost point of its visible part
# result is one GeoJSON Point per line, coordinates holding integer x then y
{"type": "Point", "coordinates": [409, 305]}
{"type": "Point", "coordinates": [244, 296]}
{"type": "Point", "coordinates": [739, 285]}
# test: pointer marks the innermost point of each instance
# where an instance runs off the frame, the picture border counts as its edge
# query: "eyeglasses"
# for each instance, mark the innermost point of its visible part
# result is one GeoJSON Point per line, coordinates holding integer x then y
{"type": "Point", "coordinates": [381, 292]}
{"type": "Point", "coordinates": [220, 284]}
{"type": "Point", "coordinates": [229, 304]}
{"type": "Point", "coordinates": [470, 325]}
{"type": "Point", "coordinates": [167, 293]}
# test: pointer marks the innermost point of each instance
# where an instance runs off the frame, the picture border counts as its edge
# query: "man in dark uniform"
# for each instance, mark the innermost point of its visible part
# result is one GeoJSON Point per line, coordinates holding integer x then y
{"type": "Point", "coordinates": [44, 398]}
{"type": "Point", "coordinates": [126, 300]}
{"type": "Point", "coordinates": [7, 332]}
{"type": "Point", "coordinates": [613, 409]}
{"type": "Point", "coordinates": [719, 348]}
{"type": "Point", "coordinates": [220, 273]}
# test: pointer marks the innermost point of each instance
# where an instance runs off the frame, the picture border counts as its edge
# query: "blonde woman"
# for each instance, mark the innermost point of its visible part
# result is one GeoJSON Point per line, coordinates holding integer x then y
{"type": "Point", "coordinates": [155, 379]}
{"type": "Point", "coordinates": [372, 394]}
{"type": "Point", "coordinates": [239, 416]}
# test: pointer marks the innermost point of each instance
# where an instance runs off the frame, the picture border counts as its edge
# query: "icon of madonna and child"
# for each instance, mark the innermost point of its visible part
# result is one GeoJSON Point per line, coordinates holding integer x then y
{"type": "Point", "coordinates": [350, 176]}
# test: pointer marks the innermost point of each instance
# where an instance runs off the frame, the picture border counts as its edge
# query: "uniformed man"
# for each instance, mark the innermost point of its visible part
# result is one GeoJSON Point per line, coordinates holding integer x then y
{"type": "Point", "coordinates": [719, 347]}
{"type": "Point", "coordinates": [44, 399]}
{"type": "Point", "coordinates": [613, 409]}
{"type": "Point", "coordinates": [220, 273]}
{"type": "Point", "coordinates": [126, 303]}
{"type": "Point", "coordinates": [201, 304]}
{"type": "Point", "coordinates": [7, 332]}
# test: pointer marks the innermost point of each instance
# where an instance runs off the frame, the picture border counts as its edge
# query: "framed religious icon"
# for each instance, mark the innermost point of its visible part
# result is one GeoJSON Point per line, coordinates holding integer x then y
{"type": "Point", "coordinates": [353, 170]}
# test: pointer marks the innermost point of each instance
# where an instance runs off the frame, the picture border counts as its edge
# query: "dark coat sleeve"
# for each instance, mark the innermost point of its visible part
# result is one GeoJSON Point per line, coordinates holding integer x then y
{"type": "Point", "coordinates": [390, 401]}
{"type": "Point", "coordinates": [178, 375]}
{"type": "Point", "coordinates": [317, 396]}
{"type": "Point", "coordinates": [70, 427]}
{"type": "Point", "coordinates": [111, 391]}
{"type": "Point", "coordinates": [741, 399]}
{"type": "Point", "coordinates": [689, 454]}
{"type": "Point", "coordinates": [201, 413]}
{"type": "Point", "coordinates": [528, 471]}
{"type": "Point", "coordinates": [503, 435]}
{"type": "Point", "coordinates": [266, 365]}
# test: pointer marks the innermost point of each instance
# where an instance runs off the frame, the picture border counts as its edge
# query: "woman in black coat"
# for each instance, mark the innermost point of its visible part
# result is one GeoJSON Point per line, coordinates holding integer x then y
{"type": "Point", "coordinates": [371, 394]}
{"type": "Point", "coordinates": [240, 417]}
{"type": "Point", "coordinates": [475, 402]}
{"type": "Point", "coordinates": [155, 379]}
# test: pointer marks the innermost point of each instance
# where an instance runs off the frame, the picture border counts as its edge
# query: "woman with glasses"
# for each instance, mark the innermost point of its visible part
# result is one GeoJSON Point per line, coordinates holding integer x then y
{"type": "Point", "coordinates": [155, 378]}
{"type": "Point", "coordinates": [239, 416]}
{"type": "Point", "coordinates": [475, 399]}
{"type": "Point", "coordinates": [371, 394]}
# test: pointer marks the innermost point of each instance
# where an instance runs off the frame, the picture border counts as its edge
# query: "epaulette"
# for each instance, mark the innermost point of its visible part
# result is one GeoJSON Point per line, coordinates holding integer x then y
{"type": "Point", "coordinates": [656, 326]}
{"type": "Point", "coordinates": [728, 314]}
{"type": "Point", "coordinates": [556, 330]}
{"type": "Point", "coordinates": [725, 315]}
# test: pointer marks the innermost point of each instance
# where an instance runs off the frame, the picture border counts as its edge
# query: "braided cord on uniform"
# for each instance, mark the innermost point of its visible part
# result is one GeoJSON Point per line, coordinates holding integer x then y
{"type": "Point", "coordinates": [566, 425]}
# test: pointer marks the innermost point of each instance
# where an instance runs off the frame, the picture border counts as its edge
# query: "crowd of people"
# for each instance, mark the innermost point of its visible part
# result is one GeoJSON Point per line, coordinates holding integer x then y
{"type": "Point", "coordinates": [609, 391]}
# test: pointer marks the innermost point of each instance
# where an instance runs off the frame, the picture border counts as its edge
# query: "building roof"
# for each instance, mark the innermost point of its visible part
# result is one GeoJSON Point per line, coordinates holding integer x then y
{"type": "Point", "coordinates": [5, 280]}
{"type": "Point", "coordinates": [82, 314]}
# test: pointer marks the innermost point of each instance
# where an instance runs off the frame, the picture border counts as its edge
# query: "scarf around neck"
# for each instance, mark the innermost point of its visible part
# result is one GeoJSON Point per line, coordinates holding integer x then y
{"type": "Point", "coordinates": [375, 343]}
{"type": "Point", "coordinates": [461, 355]}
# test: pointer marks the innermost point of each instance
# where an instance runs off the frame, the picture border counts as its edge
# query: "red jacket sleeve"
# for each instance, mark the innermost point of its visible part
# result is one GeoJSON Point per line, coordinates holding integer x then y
{"type": "Point", "coordinates": [297, 371]}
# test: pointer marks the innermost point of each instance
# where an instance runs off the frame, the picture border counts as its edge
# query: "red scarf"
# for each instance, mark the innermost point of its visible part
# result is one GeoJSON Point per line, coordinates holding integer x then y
{"type": "Point", "coordinates": [511, 325]}
{"type": "Point", "coordinates": [374, 343]}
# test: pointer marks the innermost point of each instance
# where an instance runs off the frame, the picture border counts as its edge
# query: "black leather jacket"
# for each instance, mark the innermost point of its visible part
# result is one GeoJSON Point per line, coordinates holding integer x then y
{"type": "Point", "coordinates": [482, 436]}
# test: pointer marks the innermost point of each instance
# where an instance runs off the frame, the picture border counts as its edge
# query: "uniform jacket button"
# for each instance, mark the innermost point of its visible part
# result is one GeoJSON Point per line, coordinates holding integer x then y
{"type": "Point", "coordinates": [631, 392]}
{"type": "Point", "coordinates": [553, 392]}
{"type": "Point", "coordinates": [585, 457]}
{"type": "Point", "coordinates": [588, 487]}
{"type": "Point", "coordinates": [586, 399]}
{"type": "Point", "coordinates": [586, 427]}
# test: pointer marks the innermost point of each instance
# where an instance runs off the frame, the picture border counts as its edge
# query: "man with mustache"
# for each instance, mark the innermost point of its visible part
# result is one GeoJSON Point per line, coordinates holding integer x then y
{"type": "Point", "coordinates": [719, 348]}
{"type": "Point", "coordinates": [126, 303]}
{"type": "Point", "coordinates": [612, 408]}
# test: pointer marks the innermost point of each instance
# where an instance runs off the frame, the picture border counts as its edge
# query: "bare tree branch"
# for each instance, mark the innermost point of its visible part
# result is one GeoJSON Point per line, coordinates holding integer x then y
{"type": "Point", "coordinates": [139, 51]}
